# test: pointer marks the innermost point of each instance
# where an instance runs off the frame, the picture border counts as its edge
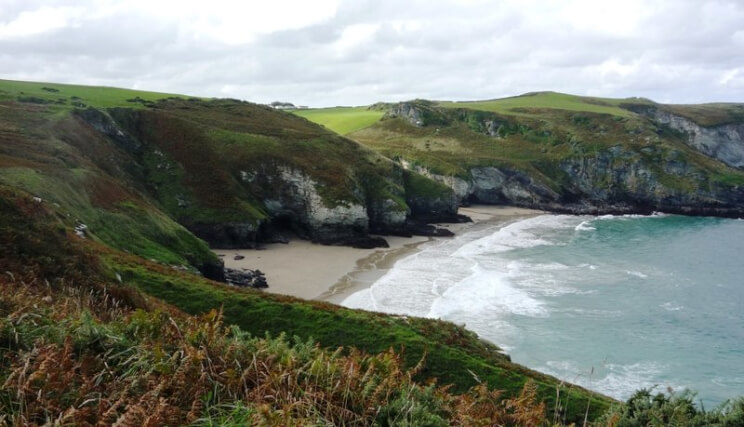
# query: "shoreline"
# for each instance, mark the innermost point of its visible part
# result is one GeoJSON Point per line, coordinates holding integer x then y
{"type": "Point", "coordinates": [332, 273]}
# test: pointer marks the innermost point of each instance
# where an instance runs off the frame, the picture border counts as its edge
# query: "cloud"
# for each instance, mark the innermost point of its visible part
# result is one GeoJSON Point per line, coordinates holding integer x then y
{"type": "Point", "coordinates": [352, 52]}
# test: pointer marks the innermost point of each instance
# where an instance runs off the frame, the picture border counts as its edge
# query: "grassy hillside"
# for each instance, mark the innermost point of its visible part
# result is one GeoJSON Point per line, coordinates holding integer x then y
{"type": "Point", "coordinates": [87, 296]}
{"type": "Point", "coordinates": [161, 367]}
{"type": "Point", "coordinates": [152, 161]}
{"type": "Point", "coordinates": [532, 103]}
{"type": "Point", "coordinates": [457, 145]}
{"type": "Point", "coordinates": [342, 120]}
{"type": "Point", "coordinates": [65, 96]}
{"type": "Point", "coordinates": [54, 156]}
{"type": "Point", "coordinates": [549, 138]}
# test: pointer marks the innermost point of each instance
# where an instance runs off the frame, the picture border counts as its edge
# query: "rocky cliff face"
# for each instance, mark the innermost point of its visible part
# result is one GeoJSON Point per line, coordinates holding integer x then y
{"type": "Point", "coordinates": [616, 180]}
{"type": "Point", "coordinates": [491, 185]}
{"type": "Point", "coordinates": [407, 111]}
{"type": "Point", "coordinates": [419, 113]}
{"type": "Point", "coordinates": [386, 216]}
{"type": "Point", "coordinates": [725, 142]}
{"type": "Point", "coordinates": [297, 200]}
{"type": "Point", "coordinates": [296, 197]}
{"type": "Point", "coordinates": [580, 163]}
{"type": "Point", "coordinates": [622, 180]}
{"type": "Point", "coordinates": [231, 235]}
{"type": "Point", "coordinates": [494, 185]}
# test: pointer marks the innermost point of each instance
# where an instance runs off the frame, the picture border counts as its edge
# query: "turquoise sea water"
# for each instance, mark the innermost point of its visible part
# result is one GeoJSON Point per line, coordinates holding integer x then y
{"type": "Point", "coordinates": [614, 303]}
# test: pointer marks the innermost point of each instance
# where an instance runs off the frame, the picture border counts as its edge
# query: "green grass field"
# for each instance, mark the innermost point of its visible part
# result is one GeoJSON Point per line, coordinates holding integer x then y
{"type": "Point", "coordinates": [342, 120]}
{"type": "Point", "coordinates": [65, 95]}
{"type": "Point", "coordinates": [346, 120]}
{"type": "Point", "coordinates": [544, 100]}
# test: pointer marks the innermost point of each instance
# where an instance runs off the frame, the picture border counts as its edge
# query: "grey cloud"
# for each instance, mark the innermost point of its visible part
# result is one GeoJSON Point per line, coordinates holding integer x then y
{"type": "Point", "coordinates": [447, 50]}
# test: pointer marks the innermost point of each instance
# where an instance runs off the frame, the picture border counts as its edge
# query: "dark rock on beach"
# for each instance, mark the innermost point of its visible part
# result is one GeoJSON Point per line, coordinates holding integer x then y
{"type": "Point", "coordinates": [246, 278]}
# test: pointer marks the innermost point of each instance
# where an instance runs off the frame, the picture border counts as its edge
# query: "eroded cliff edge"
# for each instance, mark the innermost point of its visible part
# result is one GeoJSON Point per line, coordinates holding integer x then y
{"type": "Point", "coordinates": [647, 159]}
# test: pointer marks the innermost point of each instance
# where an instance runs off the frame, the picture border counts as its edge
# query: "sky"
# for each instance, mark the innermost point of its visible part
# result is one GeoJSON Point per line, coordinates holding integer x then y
{"type": "Point", "coordinates": [357, 52]}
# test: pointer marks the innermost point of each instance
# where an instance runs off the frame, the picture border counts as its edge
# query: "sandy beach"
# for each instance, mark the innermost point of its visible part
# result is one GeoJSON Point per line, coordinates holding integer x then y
{"type": "Point", "coordinates": [310, 271]}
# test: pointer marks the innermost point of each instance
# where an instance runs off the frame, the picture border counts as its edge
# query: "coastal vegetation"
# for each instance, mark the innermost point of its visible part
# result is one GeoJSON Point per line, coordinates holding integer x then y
{"type": "Point", "coordinates": [111, 304]}
{"type": "Point", "coordinates": [532, 103]}
{"type": "Point", "coordinates": [75, 304]}
{"type": "Point", "coordinates": [563, 152]}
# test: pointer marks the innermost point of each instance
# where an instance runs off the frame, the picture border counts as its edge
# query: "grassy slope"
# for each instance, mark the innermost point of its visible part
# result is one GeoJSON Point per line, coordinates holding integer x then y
{"type": "Point", "coordinates": [342, 120]}
{"type": "Point", "coordinates": [44, 250]}
{"type": "Point", "coordinates": [65, 95]}
{"type": "Point", "coordinates": [449, 151]}
{"type": "Point", "coordinates": [454, 149]}
{"type": "Point", "coordinates": [215, 142]}
{"type": "Point", "coordinates": [541, 129]}
{"type": "Point", "coordinates": [48, 152]}
{"type": "Point", "coordinates": [190, 166]}
{"type": "Point", "coordinates": [533, 102]}
{"type": "Point", "coordinates": [39, 152]}
{"type": "Point", "coordinates": [58, 348]}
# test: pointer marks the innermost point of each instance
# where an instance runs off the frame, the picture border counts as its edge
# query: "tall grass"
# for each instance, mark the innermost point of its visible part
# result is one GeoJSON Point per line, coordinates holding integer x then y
{"type": "Point", "coordinates": [81, 358]}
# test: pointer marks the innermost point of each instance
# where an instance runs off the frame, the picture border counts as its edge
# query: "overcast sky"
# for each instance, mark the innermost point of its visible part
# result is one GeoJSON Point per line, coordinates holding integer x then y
{"type": "Point", "coordinates": [356, 52]}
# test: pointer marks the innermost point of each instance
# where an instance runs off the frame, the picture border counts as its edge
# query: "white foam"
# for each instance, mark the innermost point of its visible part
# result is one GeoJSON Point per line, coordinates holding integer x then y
{"type": "Point", "coordinates": [463, 278]}
{"type": "Point", "coordinates": [526, 233]}
{"type": "Point", "coordinates": [623, 380]}
{"type": "Point", "coordinates": [632, 216]}
{"type": "Point", "coordinates": [548, 266]}
{"type": "Point", "coordinates": [485, 293]}
{"type": "Point", "coordinates": [416, 281]}
{"type": "Point", "coordinates": [637, 274]}
{"type": "Point", "coordinates": [615, 380]}
{"type": "Point", "coordinates": [584, 226]}
{"type": "Point", "coordinates": [361, 299]}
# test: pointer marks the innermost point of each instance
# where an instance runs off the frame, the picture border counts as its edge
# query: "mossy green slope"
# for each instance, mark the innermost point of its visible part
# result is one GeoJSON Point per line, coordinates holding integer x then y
{"type": "Point", "coordinates": [128, 163]}
{"type": "Point", "coordinates": [533, 103]}
{"type": "Point", "coordinates": [522, 142]}
{"type": "Point", "coordinates": [44, 250]}
{"type": "Point", "coordinates": [66, 96]}
{"type": "Point", "coordinates": [53, 157]}
{"type": "Point", "coordinates": [589, 153]}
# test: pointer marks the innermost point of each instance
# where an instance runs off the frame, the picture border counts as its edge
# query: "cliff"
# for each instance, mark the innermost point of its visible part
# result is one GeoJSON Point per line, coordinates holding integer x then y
{"type": "Point", "coordinates": [154, 174]}
{"type": "Point", "coordinates": [572, 154]}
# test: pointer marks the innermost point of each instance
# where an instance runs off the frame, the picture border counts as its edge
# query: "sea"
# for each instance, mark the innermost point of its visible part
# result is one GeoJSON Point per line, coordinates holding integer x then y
{"type": "Point", "coordinates": [613, 303]}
